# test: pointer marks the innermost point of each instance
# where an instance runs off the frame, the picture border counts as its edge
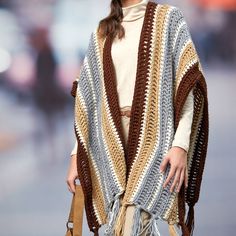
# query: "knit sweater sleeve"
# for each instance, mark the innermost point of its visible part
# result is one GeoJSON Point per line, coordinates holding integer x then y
{"type": "Point", "coordinates": [183, 131]}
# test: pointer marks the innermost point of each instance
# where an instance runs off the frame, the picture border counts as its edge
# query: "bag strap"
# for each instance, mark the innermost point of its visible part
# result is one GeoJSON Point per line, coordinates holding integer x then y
{"type": "Point", "coordinates": [76, 211]}
{"type": "Point", "coordinates": [172, 230]}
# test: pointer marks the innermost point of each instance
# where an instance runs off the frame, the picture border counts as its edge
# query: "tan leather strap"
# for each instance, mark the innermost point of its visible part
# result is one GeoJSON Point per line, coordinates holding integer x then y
{"type": "Point", "coordinates": [172, 230]}
{"type": "Point", "coordinates": [76, 213]}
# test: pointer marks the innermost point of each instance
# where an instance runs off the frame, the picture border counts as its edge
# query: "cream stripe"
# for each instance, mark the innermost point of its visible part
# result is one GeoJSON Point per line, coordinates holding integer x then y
{"type": "Point", "coordinates": [140, 163]}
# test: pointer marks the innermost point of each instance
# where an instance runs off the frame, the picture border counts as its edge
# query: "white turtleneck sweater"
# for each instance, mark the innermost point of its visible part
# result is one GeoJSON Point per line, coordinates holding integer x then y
{"type": "Point", "coordinates": [124, 55]}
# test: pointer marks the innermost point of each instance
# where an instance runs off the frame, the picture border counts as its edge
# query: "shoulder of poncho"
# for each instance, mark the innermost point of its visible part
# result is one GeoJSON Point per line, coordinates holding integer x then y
{"type": "Point", "coordinates": [172, 7]}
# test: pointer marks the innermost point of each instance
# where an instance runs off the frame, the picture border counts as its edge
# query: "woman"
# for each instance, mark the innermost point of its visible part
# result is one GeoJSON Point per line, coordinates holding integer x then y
{"type": "Point", "coordinates": [141, 122]}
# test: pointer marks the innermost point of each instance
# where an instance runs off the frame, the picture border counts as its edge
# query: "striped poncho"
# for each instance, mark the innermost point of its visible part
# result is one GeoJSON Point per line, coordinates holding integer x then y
{"type": "Point", "coordinates": [168, 67]}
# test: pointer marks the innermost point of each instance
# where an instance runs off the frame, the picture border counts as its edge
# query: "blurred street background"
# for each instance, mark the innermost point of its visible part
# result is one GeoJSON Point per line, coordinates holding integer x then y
{"type": "Point", "coordinates": [42, 45]}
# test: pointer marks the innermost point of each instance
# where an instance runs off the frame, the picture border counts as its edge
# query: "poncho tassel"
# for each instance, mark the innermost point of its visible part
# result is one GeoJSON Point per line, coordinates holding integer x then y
{"type": "Point", "coordinates": [139, 228]}
{"type": "Point", "coordinates": [137, 222]}
{"type": "Point", "coordinates": [184, 229]}
{"type": "Point", "coordinates": [152, 227]}
{"type": "Point", "coordinates": [112, 215]}
{"type": "Point", "coordinates": [190, 219]}
{"type": "Point", "coordinates": [181, 206]}
{"type": "Point", "coordinates": [119, 225]}
{"type": "Point", "coordinates": [96, 232]}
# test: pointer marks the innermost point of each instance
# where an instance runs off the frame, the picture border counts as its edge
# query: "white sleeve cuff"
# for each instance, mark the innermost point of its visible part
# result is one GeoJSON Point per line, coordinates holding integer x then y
{"type": "Point", "coordinates": [74, 150]}
{"type": "Point", "coordinates": [181, 145]}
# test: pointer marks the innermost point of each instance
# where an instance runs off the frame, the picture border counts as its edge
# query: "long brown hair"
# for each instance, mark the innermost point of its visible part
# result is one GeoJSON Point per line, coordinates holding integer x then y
{"type": "Point", "coordinates": [112, 23]}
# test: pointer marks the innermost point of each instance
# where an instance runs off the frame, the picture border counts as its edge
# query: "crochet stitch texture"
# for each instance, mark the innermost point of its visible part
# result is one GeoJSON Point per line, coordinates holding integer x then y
{"type": "Point", "coordinates": [168, 68]}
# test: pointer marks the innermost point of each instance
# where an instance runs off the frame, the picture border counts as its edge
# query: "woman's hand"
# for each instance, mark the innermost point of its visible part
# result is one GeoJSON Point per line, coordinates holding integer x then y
{"type": "Point", "coordinates": [177, 157]}
{"type": "Point", "coordinates": [72, 174]}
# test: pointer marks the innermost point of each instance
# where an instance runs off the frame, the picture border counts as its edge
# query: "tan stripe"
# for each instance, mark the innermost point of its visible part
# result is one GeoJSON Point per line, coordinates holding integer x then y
{"type": "Point", "coordinates": [85, 175]}
{"type": "Point", "coordinates": [171, 214]}
{"type": "Point", "coordinates": [151, 125]}
{"type": "Point", "coordinates": [160, 69]}
{"type": "Point", "coordinates": [115, 152]}
{"type": "Point", "coordinates": [189, 54]}
{"type": "Point", "coordinates": [97, 194]}
{"type": "Point", "coordinates": [82, 123]}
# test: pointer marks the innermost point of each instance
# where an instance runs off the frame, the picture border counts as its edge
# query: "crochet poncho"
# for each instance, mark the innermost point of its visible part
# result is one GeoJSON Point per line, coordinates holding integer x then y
{"type": "Point", "coordinates": [168, 67]}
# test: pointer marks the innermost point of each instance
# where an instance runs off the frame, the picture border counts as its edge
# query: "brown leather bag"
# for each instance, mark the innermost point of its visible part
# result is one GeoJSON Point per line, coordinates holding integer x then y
{"type": "Point", "coordinates": [75, 220]}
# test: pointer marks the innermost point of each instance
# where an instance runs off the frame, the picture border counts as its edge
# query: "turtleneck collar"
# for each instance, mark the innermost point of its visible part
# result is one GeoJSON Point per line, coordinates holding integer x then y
{"type": "Point", "coordinates": [135, 11]}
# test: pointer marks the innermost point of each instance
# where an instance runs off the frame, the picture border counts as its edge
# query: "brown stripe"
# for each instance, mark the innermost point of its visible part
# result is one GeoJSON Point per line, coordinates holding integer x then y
{"type": "Point", "coordinates": [192, 79]}
{"type": "Point", "coordinates": [200, 150]}
{"type": "Point", "coordinates": [201, 142]}
{"type": "Point", "coordinates": [139, 88]}
{"type": "Point", "coordinates": [110, 87]}
{"type": "Point", "coordinates": [186, 84]}
{"type": "Point", "coordinates": [84, 176]}
{"type": "Point", "coordinates": [137, 108]}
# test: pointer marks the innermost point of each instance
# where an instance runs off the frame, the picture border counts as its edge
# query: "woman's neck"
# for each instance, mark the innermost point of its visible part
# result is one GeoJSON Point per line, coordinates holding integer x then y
{"type": "Point", "coordinates": [126, 3]}
{"type": "Point", "coordinates": [135, 11]}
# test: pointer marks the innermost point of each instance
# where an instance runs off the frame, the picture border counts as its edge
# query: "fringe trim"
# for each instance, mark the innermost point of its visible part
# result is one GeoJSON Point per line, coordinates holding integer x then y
{"type": "Point", "coordinates": [154, 227]}
{"type": "Point", "coordinates": [116, 221]}
{"type": "Point", "coordinates": [96, 232]}
{"type": "Point", "coordinates": [112, 215]}
{"type": "Point", "coordinates": [150, 229]}
{"type": "Point", "coordinates": [184, 228]}
{"type": "Point", "coordinates": [119, 229]}
{"type": "Point", "coordinates": [137, 222]}
{"type": "Point", "coordinates": [190, 219]}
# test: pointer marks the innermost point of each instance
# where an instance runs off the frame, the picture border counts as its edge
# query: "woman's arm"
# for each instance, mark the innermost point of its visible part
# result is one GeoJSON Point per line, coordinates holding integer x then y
{"type": "Point", "coordinates": [72, 174]}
